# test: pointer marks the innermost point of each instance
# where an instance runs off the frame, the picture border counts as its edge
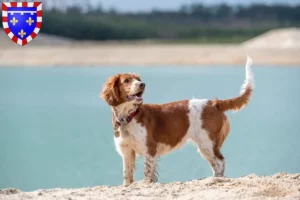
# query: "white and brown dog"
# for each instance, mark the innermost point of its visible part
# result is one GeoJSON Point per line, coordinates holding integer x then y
{"type": "Point", "coordinates": [152, 130]}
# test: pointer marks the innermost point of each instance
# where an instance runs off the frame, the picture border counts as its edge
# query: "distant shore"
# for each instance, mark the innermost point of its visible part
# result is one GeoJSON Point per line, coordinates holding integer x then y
{"type": "Point", "coordinates": [279, 47]}
{"type": "Point", "coordinates": [278, 186]}
{"type": "Point", "coordinates": [120, 54]}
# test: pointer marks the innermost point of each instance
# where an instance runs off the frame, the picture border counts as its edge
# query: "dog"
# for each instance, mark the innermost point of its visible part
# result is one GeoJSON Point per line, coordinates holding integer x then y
{"type": "Point", "coordinates": [153, 130]}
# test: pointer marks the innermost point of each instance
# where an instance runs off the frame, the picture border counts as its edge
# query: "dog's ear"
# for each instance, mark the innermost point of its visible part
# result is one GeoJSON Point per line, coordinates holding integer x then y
{"type": "Point", "coordinates": [110, 92]}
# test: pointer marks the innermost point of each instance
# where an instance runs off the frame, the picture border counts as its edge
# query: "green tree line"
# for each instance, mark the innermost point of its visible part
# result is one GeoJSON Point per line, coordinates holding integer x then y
{"type": "Point", "coordinates": [193, 22]}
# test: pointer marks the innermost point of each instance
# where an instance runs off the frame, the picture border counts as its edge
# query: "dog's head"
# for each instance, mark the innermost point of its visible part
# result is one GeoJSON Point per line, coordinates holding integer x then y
{"type": "Point", "coordinates": [123, 88]}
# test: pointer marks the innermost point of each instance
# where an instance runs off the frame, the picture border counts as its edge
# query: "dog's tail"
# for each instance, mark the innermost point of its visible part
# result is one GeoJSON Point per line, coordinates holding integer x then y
{"type": "Point", "coordinates": [241, 101]}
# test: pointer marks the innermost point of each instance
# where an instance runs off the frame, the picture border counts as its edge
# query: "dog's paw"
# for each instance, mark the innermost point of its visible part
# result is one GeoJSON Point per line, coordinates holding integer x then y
{"type": "Point", "coordinates": [126, 183]}
{"type": "Point", "coordinates": [148, 181]}
{"type": "Point", "coordinates": [218, 175]}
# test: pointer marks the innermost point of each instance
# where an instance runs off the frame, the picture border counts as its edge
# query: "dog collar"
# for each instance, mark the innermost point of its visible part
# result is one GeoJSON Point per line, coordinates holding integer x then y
{"type": "Point", "coordinates": [126, 119]}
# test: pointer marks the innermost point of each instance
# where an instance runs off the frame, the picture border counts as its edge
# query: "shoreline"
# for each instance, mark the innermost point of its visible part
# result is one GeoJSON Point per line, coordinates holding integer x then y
{"type": "Point", "coordinates": [101, 54]}
{"type": "Point", "coordinates": [277, 186]}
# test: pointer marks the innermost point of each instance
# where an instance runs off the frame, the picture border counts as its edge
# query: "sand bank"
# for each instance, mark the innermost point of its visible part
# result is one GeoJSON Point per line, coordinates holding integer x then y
{"type": "Point", "coordinates": [286, 38]}
{"type": "Point", "coordinates": [277, 47]}
{"type": "Point", "coordinates": [278, 186]}
{"type": "Point", "coordinates": [143, 55]}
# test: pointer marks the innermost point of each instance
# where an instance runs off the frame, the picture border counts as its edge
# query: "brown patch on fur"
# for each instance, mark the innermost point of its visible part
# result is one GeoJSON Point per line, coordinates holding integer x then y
{"type": "Point", "coordinates": [217, 125]}
{"type": "Point", "coordinates": [110, 92]}
{"type": "Point", "coordinates": [165, 123]}
{"type": "Point", "coordinates": [236, 103]}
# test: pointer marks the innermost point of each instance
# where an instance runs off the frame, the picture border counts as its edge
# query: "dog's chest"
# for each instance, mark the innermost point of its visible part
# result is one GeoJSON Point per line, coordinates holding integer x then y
{"type": "Point", "coordinates": [134, 135]}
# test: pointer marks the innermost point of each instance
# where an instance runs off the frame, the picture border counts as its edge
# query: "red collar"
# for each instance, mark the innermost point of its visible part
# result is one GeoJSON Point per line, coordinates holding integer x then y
{"type": "Point", "coordinates": [127, 119]}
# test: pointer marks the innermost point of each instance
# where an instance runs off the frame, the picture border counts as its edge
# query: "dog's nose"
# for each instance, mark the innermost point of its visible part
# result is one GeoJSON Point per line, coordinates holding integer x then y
{"type": "Point", "coordinates": [142, 85]}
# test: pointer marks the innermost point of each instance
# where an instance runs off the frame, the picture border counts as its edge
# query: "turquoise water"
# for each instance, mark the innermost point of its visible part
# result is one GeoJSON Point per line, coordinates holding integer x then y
{"type": "Point", "coordinates": [55, 131]}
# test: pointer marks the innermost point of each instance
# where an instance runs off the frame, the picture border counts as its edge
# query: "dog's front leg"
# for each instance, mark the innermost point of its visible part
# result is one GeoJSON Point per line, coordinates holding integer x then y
{"type": "Point", "coordinates": [128, 156]}
{"type": "Point", "coordinates": [150, 169]}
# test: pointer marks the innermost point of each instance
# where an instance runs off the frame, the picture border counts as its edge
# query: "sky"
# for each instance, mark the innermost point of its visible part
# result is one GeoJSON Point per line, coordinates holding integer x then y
{"type": "Point", "coordinates": [146, 5]}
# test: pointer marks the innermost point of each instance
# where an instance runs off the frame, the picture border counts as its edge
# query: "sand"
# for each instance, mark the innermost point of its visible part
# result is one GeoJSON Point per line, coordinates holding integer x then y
{"type": "Point", "coordinates": [54, 51]}
{"type": "Point", "coordinates": [287, 38]}
{"type": "Point", "coordinates": [143, 55]}
{"type": "Point", "coordinates": [278, 186]}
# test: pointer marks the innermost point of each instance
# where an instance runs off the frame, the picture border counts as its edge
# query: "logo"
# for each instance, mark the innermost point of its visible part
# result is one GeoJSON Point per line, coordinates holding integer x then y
{"type": "Point", "coordinates": [22, 21]}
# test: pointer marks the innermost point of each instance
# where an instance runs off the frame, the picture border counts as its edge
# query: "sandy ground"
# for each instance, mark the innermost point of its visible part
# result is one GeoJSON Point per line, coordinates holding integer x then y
{"type": "Point", "coordinates": [285, 38]}
{"type": "Point", "coordinates": [278, 186]}
{"type": "Point", "coordinates": [55, 51]}
{"type": "Point", "coordinates": [143, 55]}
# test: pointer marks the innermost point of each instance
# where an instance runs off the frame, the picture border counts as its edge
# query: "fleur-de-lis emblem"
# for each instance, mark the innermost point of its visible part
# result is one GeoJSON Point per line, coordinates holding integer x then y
{"type": "Point", "coordinates": [29, 21]}
{"type": "Point", "coordinates": [14, 21]}
{"type": "Point", "coordinates": [22, 33]}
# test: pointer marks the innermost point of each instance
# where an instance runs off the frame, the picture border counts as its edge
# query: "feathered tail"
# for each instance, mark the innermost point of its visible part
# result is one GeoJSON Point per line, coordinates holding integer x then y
{"type": "Point", "coordinates": [241, 101]}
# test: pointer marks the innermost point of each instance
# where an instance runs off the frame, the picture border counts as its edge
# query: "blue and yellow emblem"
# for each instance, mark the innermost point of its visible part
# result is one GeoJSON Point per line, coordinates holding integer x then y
{"type": "Point", "coordinates": [22, 21]}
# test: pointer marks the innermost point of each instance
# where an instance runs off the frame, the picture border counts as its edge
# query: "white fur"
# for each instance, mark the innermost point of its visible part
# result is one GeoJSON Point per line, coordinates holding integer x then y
{"type": "Point", "coordinates": [195, 131]}
{"type": "Point", "coordinates": [136, 139]}
{"type": "Point", "coordinates": [249, 81]}
{"type": "Point", "coordinates": [195, 110]}
{"type": "Point", "coordinates": [135, 86]}
{"type": "Point", "coordinates": [123, 110]}
{"type": "Point", "coordinates": [201, 137]}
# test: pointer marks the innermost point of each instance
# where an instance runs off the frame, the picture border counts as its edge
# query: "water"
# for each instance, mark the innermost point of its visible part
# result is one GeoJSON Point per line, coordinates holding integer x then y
{"type": "Point", "coordinates": [55, 131]}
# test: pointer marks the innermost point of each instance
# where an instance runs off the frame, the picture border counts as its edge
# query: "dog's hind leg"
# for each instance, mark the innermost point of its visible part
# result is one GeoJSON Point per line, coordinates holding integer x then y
{"type": "Point", "coordinates": [208, 150]}
{"type": "Point", "coordinates": [218, 163]}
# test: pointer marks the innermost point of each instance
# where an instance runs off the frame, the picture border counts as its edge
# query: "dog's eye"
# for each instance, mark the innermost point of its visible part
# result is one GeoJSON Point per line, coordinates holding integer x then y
{"type": "Point", "coordinates": [126, 81]}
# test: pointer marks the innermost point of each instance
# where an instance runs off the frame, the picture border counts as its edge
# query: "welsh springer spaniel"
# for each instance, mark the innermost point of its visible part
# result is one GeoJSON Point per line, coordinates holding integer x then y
{"type": "Point", "coordinates": [152, 130]}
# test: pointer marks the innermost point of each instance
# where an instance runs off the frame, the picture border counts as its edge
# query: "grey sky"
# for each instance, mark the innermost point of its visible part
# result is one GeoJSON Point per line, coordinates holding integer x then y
{"type": "Point", "coordinates": [147, 5]}
{"type": "Point", "coordinates": [144, 5]}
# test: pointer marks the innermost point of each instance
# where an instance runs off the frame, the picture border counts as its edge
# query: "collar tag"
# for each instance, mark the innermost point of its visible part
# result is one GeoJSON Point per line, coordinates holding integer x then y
{"type": "Point", "coordinates": [126, 119]}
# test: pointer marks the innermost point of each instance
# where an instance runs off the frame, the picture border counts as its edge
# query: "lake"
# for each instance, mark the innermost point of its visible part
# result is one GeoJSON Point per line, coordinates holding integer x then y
{"type": "Point", "coordinates": [55, 131]}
